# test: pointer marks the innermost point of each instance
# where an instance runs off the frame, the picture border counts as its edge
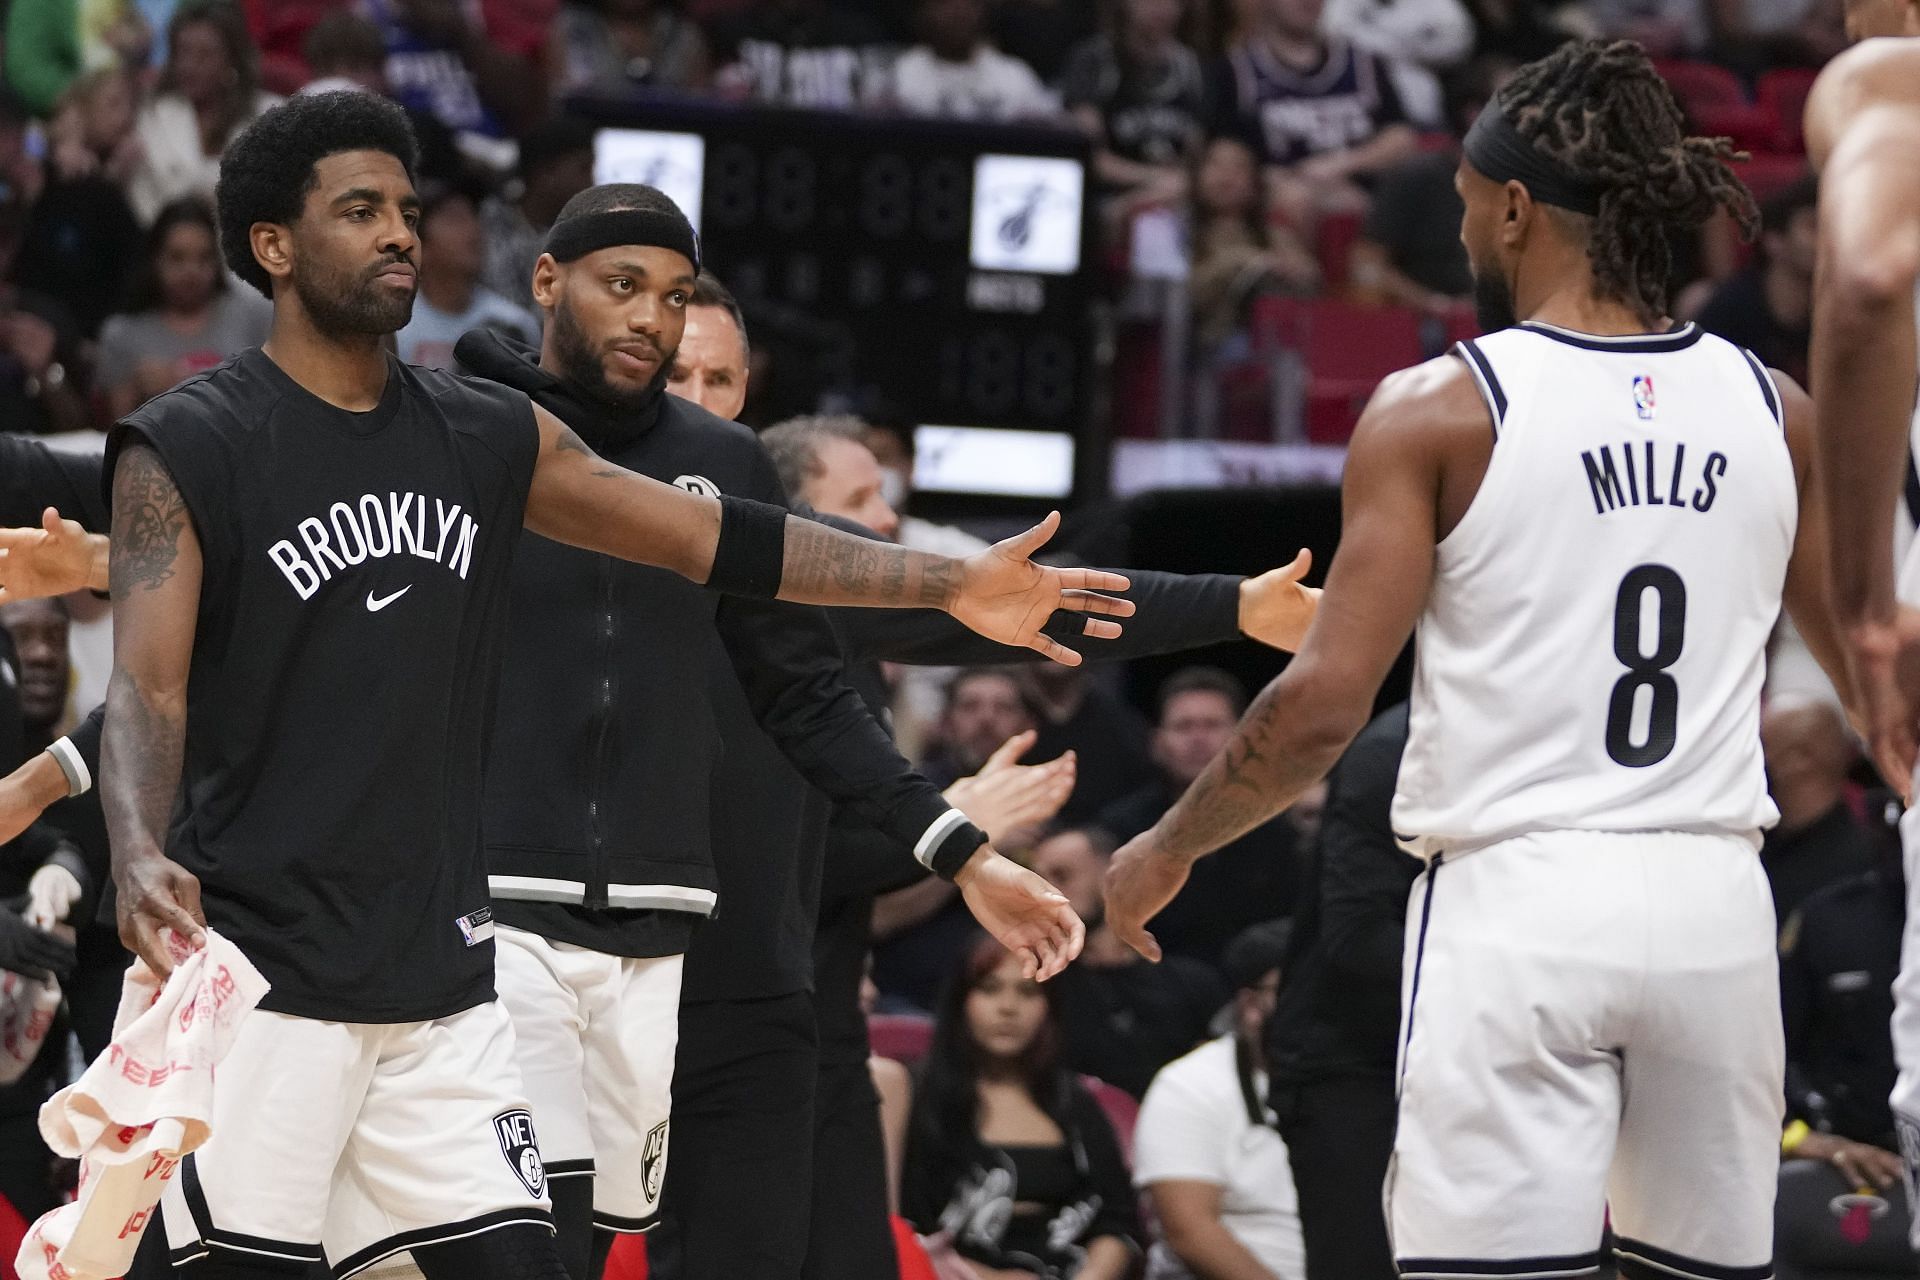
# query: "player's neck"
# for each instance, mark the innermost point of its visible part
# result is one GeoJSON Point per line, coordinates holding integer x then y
{"type": "Point", "coordinates": [1577, 309]}
{"type": "Point", "coordinates": [347, 371]}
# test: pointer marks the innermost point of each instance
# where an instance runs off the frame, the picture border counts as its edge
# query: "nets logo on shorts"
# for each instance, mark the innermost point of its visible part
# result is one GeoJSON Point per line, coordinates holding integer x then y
{"type": "Point", "coordinates": [653, 1161]}
{"type": "Point", "coordinates": [515, 1130]}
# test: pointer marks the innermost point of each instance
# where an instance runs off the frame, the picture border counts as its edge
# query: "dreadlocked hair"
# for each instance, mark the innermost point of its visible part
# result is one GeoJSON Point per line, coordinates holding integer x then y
{"type": "Point", "coordinates": [1602, 110]}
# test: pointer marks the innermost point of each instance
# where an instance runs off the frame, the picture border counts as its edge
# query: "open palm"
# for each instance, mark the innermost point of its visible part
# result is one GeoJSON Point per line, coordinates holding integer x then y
{"type": "Point", "coordinates": [1005, 596]}
{"type": "Point", "coordinates": [1028, 916]}
{"type": "Point", "coordinates": [51, 560]}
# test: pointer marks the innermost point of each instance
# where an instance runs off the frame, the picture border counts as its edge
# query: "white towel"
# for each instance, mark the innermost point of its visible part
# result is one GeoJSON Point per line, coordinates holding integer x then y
{"type": "Point", "coordinates": [143, 1104]}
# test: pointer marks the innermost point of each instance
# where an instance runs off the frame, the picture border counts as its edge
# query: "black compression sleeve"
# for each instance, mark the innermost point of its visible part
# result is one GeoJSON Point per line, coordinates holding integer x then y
{"type": "Point", "coordinates": [751, 555]}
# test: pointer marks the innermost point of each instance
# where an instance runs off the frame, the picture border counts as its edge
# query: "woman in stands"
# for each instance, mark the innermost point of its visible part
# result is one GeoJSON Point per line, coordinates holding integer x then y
{"type": "Point", "coordinates": [1011, 1164]}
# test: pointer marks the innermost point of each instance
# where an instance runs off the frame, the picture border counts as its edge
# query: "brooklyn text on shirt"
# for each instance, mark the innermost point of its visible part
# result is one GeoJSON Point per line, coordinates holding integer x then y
{"type": "Point", "coordinates": [372, 528]}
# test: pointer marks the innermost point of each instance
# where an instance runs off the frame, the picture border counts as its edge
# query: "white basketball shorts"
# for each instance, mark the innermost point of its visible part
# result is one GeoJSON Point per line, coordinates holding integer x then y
{"type": "Point", "coordinates": [1592, 1023]}
{"type": "Point", "coordinates": [1906, 1020]}
{"type": "Point", "coordinates": [350, 1142]}
{"type": "Point", "coordinates": [596, 1036]}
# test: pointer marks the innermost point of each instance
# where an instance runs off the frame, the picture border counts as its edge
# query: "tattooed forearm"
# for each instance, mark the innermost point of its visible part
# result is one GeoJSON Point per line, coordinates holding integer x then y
{"type": "Point", "coordinates": [141, 748]}
{"type": "Point", "coordinates": [148, 519]}
{"type": "Point", "coordinates": [826, 566]}
{"type": "Point", "coordinates": [1263, 770]}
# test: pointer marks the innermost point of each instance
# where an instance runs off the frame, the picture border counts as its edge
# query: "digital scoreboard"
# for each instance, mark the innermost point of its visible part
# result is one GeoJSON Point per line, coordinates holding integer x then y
{"type": "Point", "coordinates": [955, 256]}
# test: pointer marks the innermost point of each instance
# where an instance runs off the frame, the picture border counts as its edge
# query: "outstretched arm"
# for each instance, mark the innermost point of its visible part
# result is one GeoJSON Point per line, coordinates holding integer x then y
{"type": "Point", "coordinates": [156, 597]}
{"type": "Point", "coordinates": [1808, 569]}
{"type": "Point", "coordinates": [583, 500]}
{"type": "Point", "coordinates": [1300, 723]}
{"type": "Point", "coordinates": [1864, 125]}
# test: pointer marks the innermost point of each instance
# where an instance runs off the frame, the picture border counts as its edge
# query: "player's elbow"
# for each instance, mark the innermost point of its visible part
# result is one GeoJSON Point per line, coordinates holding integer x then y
{"type": "Point", "coordinates": [1863, 282]}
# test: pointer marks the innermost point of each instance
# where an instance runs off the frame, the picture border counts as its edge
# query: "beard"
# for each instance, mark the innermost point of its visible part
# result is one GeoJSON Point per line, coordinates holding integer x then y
{"type": "Point", "coordinates": [583, 364]}
{"type": "Point", "coordinates": [351, 303]}
{"type": "Point", "coordinates": [1493, 302]}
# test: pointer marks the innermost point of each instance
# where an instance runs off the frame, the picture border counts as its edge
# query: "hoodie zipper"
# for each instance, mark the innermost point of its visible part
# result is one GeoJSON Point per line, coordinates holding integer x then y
{"type": "Point", "coordinates": [596, 894]}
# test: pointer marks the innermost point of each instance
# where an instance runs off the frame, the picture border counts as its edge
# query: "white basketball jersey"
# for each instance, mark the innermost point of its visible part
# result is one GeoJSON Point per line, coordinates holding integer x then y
{"type": "Point", "coordinates": [1594, 643]}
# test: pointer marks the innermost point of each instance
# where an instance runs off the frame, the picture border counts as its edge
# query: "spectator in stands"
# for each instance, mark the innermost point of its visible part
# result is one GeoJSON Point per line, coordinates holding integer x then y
{"type": "Point", "coordinates": [209, 91]}
{"type": "Point", "coordinates": [1324, 113]}
{"type": "Point", "coordinates": [451, 299]}
{"type": "Point", "coordinates": [182, 317]}
{"type": "Point", "coordinates": [1205, 1150]}
{"type": "Point", "coordinates": [1409, 251]}
{"type": "Point", "coordinates": [41, 386]}
{"type": "Point", "coordinates": [617, 48]}
{"type": "Point", "coordinates": [1522, 30]}
{"type": "Point", "coordinates": [1258, 876]}
{"type": "Point", "coordinates": [345, 51]}
{"type": "Point", "coordinates": [1123, 1018]}
{"type": "Point", "coordinates": [1791, 33]}
{"type": "Point", "coordinates": [555, 165]}
{"type": "Point", "coordinates": [43, 51]}
{"type": "Point", "coordinates": [1010, 1161]}
{"type": "Point", "coordinates": [985, 707]}
{"type": "Point", "coordinates": [1665, 28]}
{"type": "Point", "coordinates": [42, 638]}
{"type": "Point", "coordinates": [1238, 252]}
{"type": "Point", "coordinates": [92, 132]}
{"type": "Point", "coordinates": [920, 932]}
{"type": "Point", "coordinates": [83, 242]}
{"type": "Point", "coordinates": [1139, 91]}
{"type": "Point", "coordinates": [1768, 306]}
{"type": "Point", "coordinates": [1818, 840]}
{"type": "Point", "coordinates": [1043, 33]}
{"type": "Point", "coordinates": [442, 61]}
{"type": "Point", "coordinates": [1081, 714]}
{"type": "Point", "coordinates": [804, 53]}
{"type": "Point", "coordinates": [1418, 38]}
{"type": "Point", "coordinates": [955, 73]}
{"type": "Point", "coordinates": [1838, 956]}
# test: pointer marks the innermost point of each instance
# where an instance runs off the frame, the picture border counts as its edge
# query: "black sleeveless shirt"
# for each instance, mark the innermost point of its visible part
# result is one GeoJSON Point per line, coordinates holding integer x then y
{"type": "Point", "coordinates": [343, 675]}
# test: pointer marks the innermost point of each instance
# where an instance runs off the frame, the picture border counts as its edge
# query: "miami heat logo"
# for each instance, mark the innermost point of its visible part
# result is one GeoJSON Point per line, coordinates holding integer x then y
{"type": "Point", "coordinates": [1643, 397]}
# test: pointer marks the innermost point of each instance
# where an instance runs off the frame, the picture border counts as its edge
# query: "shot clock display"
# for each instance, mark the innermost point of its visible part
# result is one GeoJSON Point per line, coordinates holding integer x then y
{"type": "Point", "coordinates": [955, 256]}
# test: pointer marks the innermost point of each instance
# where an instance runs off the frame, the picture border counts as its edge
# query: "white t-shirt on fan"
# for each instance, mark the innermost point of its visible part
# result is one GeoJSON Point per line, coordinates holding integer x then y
{"type": "Point", "coordinates": [1195, 1126]}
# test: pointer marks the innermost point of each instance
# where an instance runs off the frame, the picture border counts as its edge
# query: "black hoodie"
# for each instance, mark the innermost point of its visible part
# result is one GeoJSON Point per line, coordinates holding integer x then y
{"type": "Point", "coordinates": [598, 789]}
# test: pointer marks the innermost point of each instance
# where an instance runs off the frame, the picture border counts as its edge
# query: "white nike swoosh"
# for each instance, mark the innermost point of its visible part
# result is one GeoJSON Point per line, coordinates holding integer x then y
{"type": "Point", "coordinates": [375, 605]}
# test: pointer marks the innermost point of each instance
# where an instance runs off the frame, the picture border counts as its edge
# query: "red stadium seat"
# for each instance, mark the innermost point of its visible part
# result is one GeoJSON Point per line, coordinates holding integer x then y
{"type": "Point", "coordinates": [1752, 127]}
{"type": "Point", "coordinates": [1701, 84]}
{"type": "Point", "coordinates": [904, 1037]}
{"type": "Point", "coordinates": [1334, 245]}
{"type": "Point", "coordinates": [1122, 1111]}
{"type": "Point", "coordinates": [1784, 92]}
{"type": "Point", "coordinates": [13, 1230]}
{"type": "Point", "coordinates": [1345, 348]}
{"type": "Point", "coordinates": [914, 1262]}
{"type": "Point", "coordinates": [628, 1259]}
{"type": "Point", "coordinates": [1769, 175]}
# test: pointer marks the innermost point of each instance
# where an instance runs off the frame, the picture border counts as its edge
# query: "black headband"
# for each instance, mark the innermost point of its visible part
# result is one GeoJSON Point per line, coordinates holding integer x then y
{"type": "Point", "coordinates": [588, 233]}
{"type": "Point", "coordinates": [1497, 151]}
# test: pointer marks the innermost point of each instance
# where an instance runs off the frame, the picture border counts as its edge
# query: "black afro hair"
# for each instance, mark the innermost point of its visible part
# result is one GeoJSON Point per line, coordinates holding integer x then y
{"type": "Point", "coordinates": [267, 172]}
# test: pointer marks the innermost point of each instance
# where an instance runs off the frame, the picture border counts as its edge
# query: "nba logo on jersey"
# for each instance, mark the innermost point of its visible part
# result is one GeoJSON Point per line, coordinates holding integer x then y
{"type": "Point", "coordinates": [1643, 396]}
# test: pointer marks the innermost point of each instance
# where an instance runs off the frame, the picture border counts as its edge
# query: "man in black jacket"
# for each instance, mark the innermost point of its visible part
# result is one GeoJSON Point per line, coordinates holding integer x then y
{"type": "Point", "coordinates": [1332, 1037]}
{"type": "Point", "coordinates": [597, 787]}
{"type": "Point", "coordinates": [850, 1234]}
